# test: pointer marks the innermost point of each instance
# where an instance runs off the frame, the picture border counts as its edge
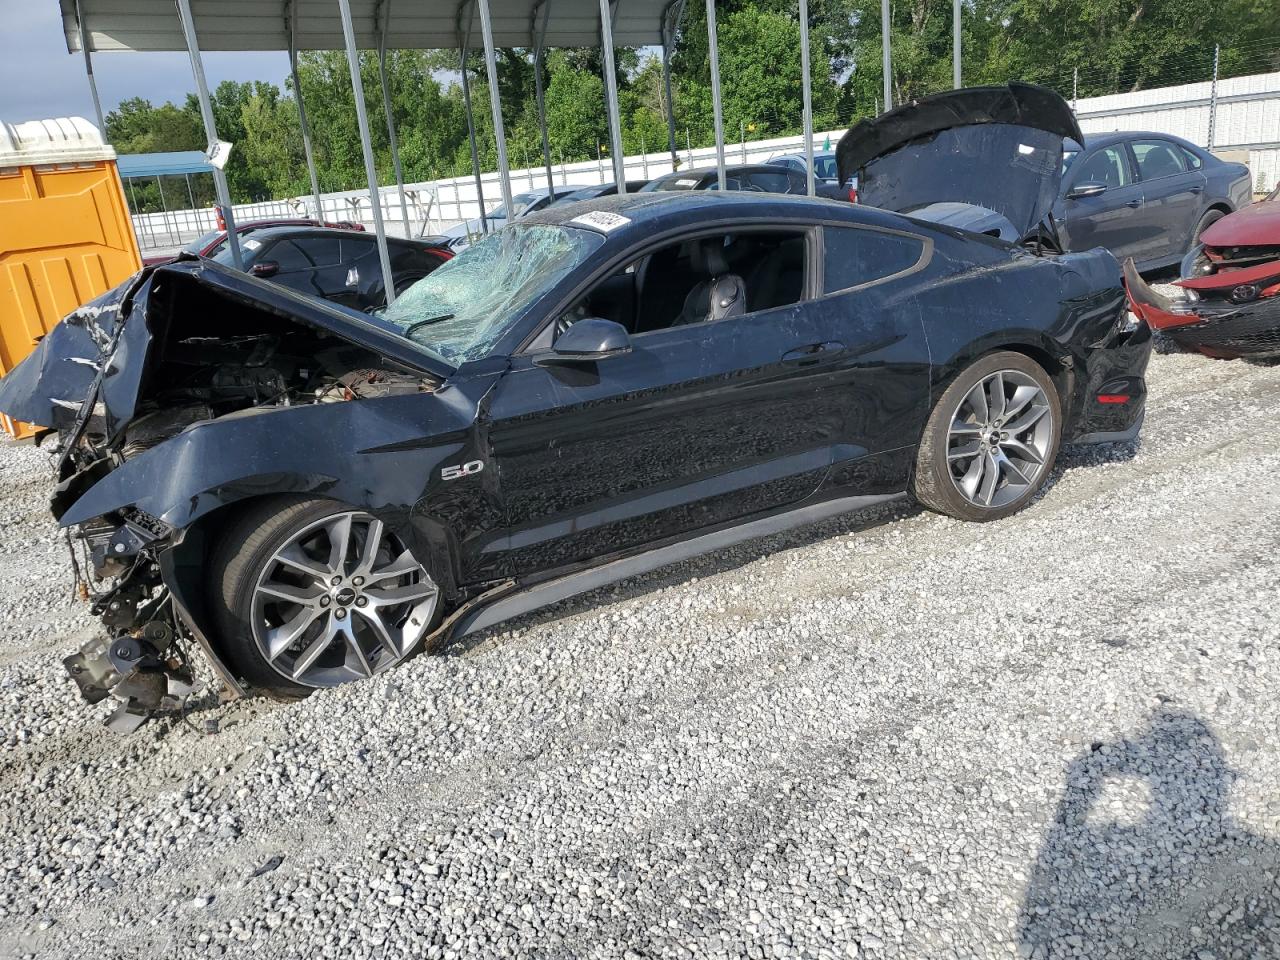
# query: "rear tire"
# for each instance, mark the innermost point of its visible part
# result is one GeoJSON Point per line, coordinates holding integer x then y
{"type": "Point", "coordinates": [311, 593]}
{"type": "Point", "coordinates": [991, 440]}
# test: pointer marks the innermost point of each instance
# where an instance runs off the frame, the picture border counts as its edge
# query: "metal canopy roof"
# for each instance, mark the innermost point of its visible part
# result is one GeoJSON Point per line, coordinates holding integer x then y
{"type": "Point", "coordinates": [162, 164]}
{"type": "Point", "coordinates": [413, 25]}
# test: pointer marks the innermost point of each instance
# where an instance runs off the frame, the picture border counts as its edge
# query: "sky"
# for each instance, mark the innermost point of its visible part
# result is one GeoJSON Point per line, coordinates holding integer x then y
{"type": "Point", "coordinates": [40, 80]}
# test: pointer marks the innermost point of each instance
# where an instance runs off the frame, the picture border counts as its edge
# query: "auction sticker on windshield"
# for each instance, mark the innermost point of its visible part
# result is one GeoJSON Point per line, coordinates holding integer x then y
{"type": "Point", "coordinates": [602, 221]}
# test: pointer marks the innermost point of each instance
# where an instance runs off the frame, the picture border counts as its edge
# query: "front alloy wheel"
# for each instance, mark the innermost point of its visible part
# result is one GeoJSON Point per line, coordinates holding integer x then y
{"type": "Point", "coordinates": [314, 595]}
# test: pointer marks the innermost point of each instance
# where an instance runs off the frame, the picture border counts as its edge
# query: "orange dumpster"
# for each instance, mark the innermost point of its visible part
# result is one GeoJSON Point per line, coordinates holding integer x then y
{"type": "Point", "coordinates": [65, 232]}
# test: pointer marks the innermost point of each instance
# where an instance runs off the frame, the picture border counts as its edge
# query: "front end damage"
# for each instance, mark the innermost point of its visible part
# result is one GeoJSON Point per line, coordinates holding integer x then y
{"type": "Point", "coordinates": [1226, 313]}
{"type": "Point", "coordinates": [131, 386]}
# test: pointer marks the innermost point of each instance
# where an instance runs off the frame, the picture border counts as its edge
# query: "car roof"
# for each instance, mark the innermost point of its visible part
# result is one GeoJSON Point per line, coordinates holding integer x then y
{"type": "Point", "coordinates": [276, 232]}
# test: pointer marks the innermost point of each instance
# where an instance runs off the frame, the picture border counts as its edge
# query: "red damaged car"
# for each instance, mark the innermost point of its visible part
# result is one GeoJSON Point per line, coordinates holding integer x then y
{"type": "Point", "coordinates": [1231, 288]}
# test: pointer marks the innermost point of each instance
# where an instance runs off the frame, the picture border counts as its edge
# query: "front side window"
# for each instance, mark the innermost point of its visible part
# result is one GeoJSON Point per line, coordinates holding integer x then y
{"type": "Point", "coordinates": [289, 256]}
{"type": "Point", "coordinates": [695, 281]}
{"type": "Point", "coordinates": [1156, 159]}
{"type": "Point", "coordinates": [1108, 166]}
{"type": "Point", "coordinates": [459, 311]}
{"type": "Point", "coordinates": [855, 256]}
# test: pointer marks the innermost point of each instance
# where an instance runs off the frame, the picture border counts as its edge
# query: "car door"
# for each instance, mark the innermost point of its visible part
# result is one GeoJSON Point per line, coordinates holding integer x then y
{"type": "Point", "coordinates": [698, 425]}
{"type": "Point", "coordinates": [1172, 198]}
{"type": "Point", "coordinates": [1112, 218]}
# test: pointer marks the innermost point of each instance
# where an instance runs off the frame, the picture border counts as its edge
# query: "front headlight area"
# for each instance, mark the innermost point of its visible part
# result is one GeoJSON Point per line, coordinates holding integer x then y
{"type": "Point", "coordinates": [138, 659]}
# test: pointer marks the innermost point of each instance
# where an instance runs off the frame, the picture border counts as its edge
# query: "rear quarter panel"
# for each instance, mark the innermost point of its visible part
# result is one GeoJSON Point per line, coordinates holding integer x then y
{"type": "Point", "coordinates": [1057, 309]}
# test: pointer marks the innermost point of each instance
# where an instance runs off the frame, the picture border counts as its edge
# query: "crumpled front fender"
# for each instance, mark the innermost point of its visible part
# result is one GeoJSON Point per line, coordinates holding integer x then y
{"type": "Point", "coordinates": [373, 454]}
{"type": "Point", "coordinates": [48, 387]}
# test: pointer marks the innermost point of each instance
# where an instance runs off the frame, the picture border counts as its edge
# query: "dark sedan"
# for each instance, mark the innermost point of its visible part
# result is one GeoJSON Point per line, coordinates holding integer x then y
{"type": "Point", "coordinates": [338, 265]}
{"type": "Point", "coordinates": [1148, 196]}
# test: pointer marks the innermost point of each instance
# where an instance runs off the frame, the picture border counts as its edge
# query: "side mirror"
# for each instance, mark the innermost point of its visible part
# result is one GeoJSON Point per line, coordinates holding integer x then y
{"type": "Point", "coordinates": [264, 269]}
{"type": "Point", "coordinates": [1087, 189]}
{"type": "Point", "coordinates": [592, 339]}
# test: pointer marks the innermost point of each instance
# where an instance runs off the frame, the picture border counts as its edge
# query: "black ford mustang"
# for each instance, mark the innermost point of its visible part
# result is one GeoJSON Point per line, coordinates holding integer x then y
{"type": "Point", "coordinates": [312, 494]}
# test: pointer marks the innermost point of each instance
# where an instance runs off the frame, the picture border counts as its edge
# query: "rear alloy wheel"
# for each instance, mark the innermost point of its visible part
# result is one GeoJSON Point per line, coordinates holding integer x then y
{"type": "Point", "coordinates": [315, 595]}
{"type": "Point", "coordinates": [991, 440]}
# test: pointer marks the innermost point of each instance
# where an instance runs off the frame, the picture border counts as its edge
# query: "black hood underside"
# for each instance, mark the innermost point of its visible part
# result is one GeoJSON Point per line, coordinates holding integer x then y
{"type": "Point", "coordinates": [993, 147]}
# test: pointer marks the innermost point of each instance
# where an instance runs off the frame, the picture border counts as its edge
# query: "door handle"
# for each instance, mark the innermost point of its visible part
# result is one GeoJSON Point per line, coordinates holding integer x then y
{"type": "Point", "coordinates": [1134, 204]}
{"type": "Point", "coordinates": [810, 353]}
{"type": "Point", "coordinates": [1199, 189]}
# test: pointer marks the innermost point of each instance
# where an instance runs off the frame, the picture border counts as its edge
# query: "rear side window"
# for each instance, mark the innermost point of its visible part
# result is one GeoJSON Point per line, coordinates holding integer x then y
{"type": "Point", "coordinates": [1156, 159]}
{"type": "Point", "coordinates": [854, 256]}
{"type": "Point", "coordinates": [1193, 160]}
{"type": "Point", "coordinates": [353, 248]}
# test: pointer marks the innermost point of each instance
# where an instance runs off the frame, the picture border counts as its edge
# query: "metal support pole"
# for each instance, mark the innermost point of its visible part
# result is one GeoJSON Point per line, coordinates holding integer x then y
{"type": "Point", "coordinates": [716, 109]}
{"type": "Point", "coordinates": [366, 146]}
{"type": "Point", "coordinates": [292, 19]}
{"type": "Point", "coordinates": [611, 98]}
{"type": "Point", "coordinates": [191, 196]}
{"type": "Point", "coordinates": [88, 72]}
{"type": "Point", "coordinates": [955, 44]}
{"type": "Point", "coordinates": [464, 45]}
{"type": "Point", "coordinates": [807, 94]}
{"type": "Point", "coordinates": [1075, 88]}
{"type": "Point", "coordinates": [495, 102]}
{"type": "Point", "coordinates": [539, 31]}
{"type": "Point", "coordinates": [886, 55]}
{"type": "Point", "coordinates": [391, 122]}
{"type": "Point", "coordinates": [1213, 100]}
{"type": "Point", "coordinates": [670, 20]}
{"type": "Point", "coordinates": [210, 130]}
{"type": "Point", "coordinates": [164, 210]}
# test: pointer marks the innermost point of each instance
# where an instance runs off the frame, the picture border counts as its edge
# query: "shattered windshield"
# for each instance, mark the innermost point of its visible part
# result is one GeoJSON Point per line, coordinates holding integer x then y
{"type": "Point", "coordinates": [461, 309]}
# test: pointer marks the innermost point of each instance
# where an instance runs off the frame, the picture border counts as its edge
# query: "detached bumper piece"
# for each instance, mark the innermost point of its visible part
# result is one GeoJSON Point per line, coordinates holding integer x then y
{"type": "Point", "coordinates": [134, 671]}
{"type": "Point", "coordinates": [1233, 316]}
{"type": "Point", "coordinates": [139, 662]}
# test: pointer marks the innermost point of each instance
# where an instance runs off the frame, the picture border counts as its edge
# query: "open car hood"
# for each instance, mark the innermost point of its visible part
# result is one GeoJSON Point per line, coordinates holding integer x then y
{"type": "Point", "coordinates": [994, 147]}
{"type": "Point", "coordinates": [92, 362]}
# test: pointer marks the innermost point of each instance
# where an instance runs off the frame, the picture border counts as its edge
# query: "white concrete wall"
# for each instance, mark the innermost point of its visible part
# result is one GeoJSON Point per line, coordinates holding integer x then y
{"type": "Point", "coordinates": [1248, 117]}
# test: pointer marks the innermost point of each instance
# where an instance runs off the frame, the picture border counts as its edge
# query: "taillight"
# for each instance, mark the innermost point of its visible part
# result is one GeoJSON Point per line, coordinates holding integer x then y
{"type": "Point", "coordinates": [222, 222]}
{"type": "Point", "coordinates": [853, 194]}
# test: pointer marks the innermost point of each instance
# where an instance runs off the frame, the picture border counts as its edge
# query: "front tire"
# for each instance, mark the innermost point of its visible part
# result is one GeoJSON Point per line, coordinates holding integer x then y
{"type": "Point", "coordinates": [991, 439]}
{"type": "Point", "coordinates": [311, 593]}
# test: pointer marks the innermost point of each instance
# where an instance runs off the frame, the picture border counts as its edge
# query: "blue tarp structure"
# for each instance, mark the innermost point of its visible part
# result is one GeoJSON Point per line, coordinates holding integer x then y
{"type": "Point", "coordinates": [173, 164]}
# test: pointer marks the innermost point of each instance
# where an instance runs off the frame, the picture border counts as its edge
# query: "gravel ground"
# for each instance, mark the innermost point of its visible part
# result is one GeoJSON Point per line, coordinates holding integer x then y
{"type": "Point", "coordinates": [892, 735]}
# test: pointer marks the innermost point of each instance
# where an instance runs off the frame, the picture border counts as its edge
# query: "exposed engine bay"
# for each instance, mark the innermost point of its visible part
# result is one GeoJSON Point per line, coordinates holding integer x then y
{"type": "Point", "coordinates": [207, 357]}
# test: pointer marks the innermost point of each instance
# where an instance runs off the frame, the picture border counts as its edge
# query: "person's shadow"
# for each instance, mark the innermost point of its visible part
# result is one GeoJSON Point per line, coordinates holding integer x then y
{"type": "Point", "coordinates": [1144, 858]}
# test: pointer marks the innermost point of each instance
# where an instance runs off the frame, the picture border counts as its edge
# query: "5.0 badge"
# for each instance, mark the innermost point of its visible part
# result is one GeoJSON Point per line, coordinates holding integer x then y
{"type": "Point", "coordinates": [462, 470]}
